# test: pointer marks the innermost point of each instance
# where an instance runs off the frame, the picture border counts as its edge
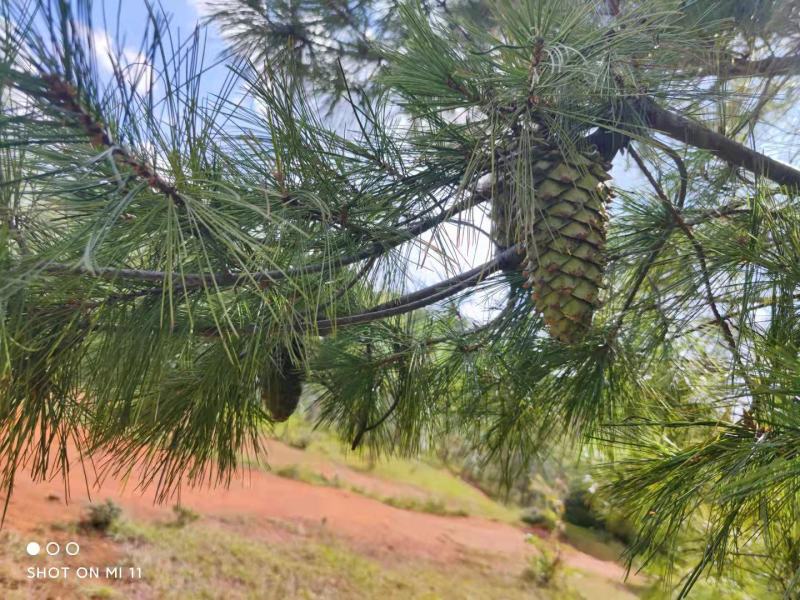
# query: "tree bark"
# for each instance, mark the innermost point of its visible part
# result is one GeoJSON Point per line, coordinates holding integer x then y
{"type": "Point", "coordinates": [692, 133]}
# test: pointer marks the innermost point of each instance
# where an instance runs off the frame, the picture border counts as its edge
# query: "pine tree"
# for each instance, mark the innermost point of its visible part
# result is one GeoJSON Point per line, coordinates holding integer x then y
{"type": "Point", "coordinates": [179, 264]}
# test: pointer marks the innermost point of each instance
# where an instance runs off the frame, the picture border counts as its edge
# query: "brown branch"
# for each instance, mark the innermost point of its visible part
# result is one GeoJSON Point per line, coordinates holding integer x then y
{"type": "Point", "coordinates": [444, 289]}
{"type": "Point", "coordinates": [773, 66]}
{"type": "Point", "coordinates": [64, 96]}
{"type": "Point", "coordinates": [690, 132]}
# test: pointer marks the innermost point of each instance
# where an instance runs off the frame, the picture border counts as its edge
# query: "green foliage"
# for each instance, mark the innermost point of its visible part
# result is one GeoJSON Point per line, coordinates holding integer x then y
{"type": "Point", "coordinates": [183, 515]}
{"type": "Point", "coordinates": [430, 505]}
{"type": "Point", "coordinates": [546, 569]}
{"type": "Point", "coordinates": [578, 510]}
{"type": "Point", "coordinates": [206, 558]}
{"type": "Point", "coordinates": [540, 518]}
{"type": "Point", "coordinates": [103, 516]}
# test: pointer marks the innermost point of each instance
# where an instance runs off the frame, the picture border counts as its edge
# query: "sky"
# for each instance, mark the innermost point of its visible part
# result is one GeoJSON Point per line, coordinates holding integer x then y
{"type": "Point", "coordinates": [185, 14]}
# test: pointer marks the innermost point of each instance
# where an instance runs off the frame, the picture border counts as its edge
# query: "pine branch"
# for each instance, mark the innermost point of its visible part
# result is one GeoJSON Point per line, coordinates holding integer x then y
{"type": "Point", "coordinates": [64, 96]}
{"type": "Point", "coordinates": [689, 132]}
{"type": "Point", "coordinates": [507, 259]}
{"type": "Point", "coordinates": [192, 280]}
{"type": "Point", "coordinates": [369, 427]}
{"type": "Point", "coordinates": [727, 334]}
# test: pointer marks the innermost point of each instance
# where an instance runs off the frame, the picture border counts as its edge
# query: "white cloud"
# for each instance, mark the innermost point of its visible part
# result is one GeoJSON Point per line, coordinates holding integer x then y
{"type": "Point", "coordinates": [203, 7]}
{"type": "Point", "coordinates": [133, 65]}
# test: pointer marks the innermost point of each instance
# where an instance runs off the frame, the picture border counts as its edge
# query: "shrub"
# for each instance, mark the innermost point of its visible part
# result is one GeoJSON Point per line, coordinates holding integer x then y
{"type": "Point", "coordinates": [578, 510]}
{"type": "Point", "coordinates": [544, 569]}
{"type": "Point", "coordinates": [102, 516]}
{"type": "Point", "coordinates": [542, 518]}
{"type": "Point", "coordinates": [584, 508]}
{"type": "Point", "coordinates": [620, 527]}
{"type": "Point", "coordinates": [184, 516]}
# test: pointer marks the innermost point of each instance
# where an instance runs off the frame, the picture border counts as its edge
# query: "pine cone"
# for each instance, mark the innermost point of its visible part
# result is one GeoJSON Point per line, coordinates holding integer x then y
{"type": "Point", "coordinates": [281, 386]}
{"type": "Point", "coordinates": [565, 248]}
{"type": "Point", "coordinates": [563, 230]}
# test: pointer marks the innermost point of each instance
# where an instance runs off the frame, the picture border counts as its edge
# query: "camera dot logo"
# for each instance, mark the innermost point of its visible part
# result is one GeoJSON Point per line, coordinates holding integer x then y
{"type": "Point", "coordinates": [33, 548]}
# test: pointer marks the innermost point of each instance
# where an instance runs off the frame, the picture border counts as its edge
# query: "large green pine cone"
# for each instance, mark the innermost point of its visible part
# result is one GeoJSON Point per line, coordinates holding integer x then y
{"type": "Point", "coordinates": [565, 247]}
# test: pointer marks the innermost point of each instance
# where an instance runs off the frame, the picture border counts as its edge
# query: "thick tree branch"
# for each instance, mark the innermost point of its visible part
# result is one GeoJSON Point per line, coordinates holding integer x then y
{"type": "Point", "coordinates": [773, 66]}
{"type": "Point", "coordinates": [690, 132]}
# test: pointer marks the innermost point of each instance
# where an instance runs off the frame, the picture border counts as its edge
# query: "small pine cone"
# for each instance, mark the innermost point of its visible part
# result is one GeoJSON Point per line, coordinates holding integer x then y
{"type": "Point", "coordinates": [565, 247]}
{"type": "Point", "coordinates": [281, 387]}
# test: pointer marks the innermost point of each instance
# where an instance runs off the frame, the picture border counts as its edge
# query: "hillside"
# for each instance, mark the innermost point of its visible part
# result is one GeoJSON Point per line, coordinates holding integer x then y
{"type": "Point", "coordinates": [313, 523]}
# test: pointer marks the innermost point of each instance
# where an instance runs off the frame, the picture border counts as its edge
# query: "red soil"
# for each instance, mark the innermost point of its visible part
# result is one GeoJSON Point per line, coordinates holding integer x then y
{"type": "Point", "coordinates": [263, 498]}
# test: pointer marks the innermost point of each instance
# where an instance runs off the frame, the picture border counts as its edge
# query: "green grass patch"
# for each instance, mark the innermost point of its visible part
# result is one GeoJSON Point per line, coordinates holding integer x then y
{"type": "Point", "coordinates": [201, 561]}
{"type": "Point", "coordinates": [599, 544]}
{"type": "Point", "coordinates": [429, 505]}
{"type": "Point", "coordinates": [432, 506]}
{"type": "Point", "coordinates": [426, 474]}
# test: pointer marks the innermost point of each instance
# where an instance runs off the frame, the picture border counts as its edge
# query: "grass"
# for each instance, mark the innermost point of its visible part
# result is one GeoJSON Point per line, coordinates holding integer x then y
{"type": "Point", "coordinates": [428, 475]}
{"type": "Point", "coordinates": [429, 505]}
{"type": "Point", "coordinates": [209, 561]}
{"type": "Point", "coordinates": [301, 473]}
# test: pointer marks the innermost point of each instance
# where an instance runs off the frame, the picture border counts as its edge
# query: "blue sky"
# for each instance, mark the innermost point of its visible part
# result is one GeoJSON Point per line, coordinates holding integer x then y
{"type": "Point", "coordinates": [185, 15]}
{"type": "Point", "coordinates": [123, 23]}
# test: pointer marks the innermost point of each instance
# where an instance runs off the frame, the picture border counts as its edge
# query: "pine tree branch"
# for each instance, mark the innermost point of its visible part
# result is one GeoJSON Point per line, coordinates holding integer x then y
{"type": "Point", "coordinates": [727, 334]}
{"type": "Point", "coordinates": [507, 259]}
{"type": "Point", "coordinates": [369, 427]}
{"type": "Point", "coordinates": [772, 66]}
{"type": "Point", "coordinates": [64, 96]}
{"type": "Point", "coordinates": [192, 280]}
{"type": "Point", "coordinates": [690, 132]}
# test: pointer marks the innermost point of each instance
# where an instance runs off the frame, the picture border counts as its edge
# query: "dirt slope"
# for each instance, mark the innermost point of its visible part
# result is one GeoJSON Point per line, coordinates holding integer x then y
{"type": "Point", "coordinates": [262, 500]}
